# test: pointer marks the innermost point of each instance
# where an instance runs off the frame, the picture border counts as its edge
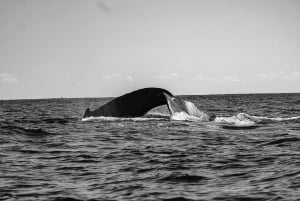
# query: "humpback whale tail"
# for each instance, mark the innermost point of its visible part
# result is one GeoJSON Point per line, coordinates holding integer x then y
{"type": "Point", "coordinates": [87, 113]}
{"type": "Point", "coordinates": [134, 104]}
{"type": "Point", "coordinates": [139, 102]}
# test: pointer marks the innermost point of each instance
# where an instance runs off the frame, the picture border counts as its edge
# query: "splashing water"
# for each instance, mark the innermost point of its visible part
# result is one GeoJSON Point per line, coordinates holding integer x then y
{"type": "Point", "coordinates": [182, 110]}
{"type": "Point", "coordinates": [243, 119]}
{"type": "Point", "coordinates": [194, 111]}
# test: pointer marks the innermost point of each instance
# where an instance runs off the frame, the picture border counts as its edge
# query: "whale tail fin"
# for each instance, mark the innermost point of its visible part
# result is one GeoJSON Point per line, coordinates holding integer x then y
{"type": "Point", "coordinates": [87, 113]}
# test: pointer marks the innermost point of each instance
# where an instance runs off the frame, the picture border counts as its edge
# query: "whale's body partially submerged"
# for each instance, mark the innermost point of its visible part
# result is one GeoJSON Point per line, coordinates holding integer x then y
{"type": "Point", "coordinates": [134, 104]}
{"type": "Point", "coordinates": [139, 102]}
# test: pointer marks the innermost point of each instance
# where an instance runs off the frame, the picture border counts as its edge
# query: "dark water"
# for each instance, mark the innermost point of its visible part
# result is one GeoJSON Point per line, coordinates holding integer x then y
{"type": "Point", "coordinates": [48, 153]}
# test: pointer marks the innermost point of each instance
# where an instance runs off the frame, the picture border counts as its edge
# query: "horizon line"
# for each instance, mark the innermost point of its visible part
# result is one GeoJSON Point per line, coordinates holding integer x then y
{"type": "Point", "coordinates": [213, 94]}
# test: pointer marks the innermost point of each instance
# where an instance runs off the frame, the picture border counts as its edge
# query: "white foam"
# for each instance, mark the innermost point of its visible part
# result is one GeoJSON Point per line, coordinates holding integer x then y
{"type": "Point", "coordinates": [243, 119]}
{"type": "Point", "coordinates": [194, 111]}
{"type": "Point", "coordinates": [183, 116]}
{"type": "Point", "coordinates": [234, 120]}
{"type": "Point", "coordinates": [157, 114]}
{"type": "Point", "coordinates": [184, 110]}
{"type": "Point", "coordinates": [171, 107]}
{"type": "Point", "coordinates": [286, 119]}
{"type": "Point", "coordinates": [267, 119]}
{"type": "Point", "coordinates": [102, 118]}
{"type": "Point", "coordinates": [99, 118]}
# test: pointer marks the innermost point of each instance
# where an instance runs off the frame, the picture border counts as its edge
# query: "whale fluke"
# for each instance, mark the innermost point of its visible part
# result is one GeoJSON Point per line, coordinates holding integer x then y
{"type": "Point", "coordinates": [134, 104]}
{"type": "Point", "coordinates": [87, 113]}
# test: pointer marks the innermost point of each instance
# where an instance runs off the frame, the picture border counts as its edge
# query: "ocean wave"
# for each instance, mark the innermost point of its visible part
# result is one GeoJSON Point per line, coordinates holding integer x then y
{"type": "Point", "coordinates": [41, 120]}
{"type": "Point", "coordinates": [12, 129]}
{"type": "Point", "coordinates": [283, 140]}
{"type": "Point", "coordinates": [177, 199]}
{"type": "Point", "coordinates": [166, 160]}
{"type": "Point", "coordinates": [67, 199]}
{"type": "Point", "coordinates": [55, 120]}
{"type": "Point", "coordinates": [186, 178]}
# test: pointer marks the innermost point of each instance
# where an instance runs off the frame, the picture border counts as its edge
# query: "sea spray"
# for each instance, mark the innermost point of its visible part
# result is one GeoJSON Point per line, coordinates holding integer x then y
{"type": "Point", "coordinates": [194, 111]}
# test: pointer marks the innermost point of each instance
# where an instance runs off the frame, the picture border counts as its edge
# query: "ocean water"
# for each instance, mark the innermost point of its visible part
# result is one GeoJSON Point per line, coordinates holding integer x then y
{"type": "Point", "coordinates": [250, 152]}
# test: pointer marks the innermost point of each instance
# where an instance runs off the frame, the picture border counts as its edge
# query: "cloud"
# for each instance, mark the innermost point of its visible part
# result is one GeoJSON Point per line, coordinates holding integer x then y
{"type": "Point", "coordinates": [203, 77]}
{"type": "Point", "coordinates": [174, 74]}
{"type": "Point", "coordinates": [279, 75]}
{"type": "Point", "coordinates": [270, 76]}
{"type": "Point", "coordinates": [130, 78]}
{"type": "Point", "coordinates": [64, 78]}
{"type": "Point", "coordinates": [167, 76]}
{"type": "Point", "coordinates": [295, 75]}
{"type": "Point", "coordinates": [220, 79]}
{"type": "Point", "coordinates": [233, 78]}
{"type": "Point", "coordinates": [118, 76]}
{"type": "Point", "coordinates": [111, 77]}
{"type": "Point", "coordinates": [8, 78]}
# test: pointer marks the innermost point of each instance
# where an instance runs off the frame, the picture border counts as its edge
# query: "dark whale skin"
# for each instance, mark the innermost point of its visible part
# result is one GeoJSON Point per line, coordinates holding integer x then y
{"type": "Point", "coordinates": [134, 104]}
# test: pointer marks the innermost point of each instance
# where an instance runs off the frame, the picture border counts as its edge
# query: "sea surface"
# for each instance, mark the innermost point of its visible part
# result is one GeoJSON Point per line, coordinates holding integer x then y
{"type": "Point", "coordinates": [47, 152]}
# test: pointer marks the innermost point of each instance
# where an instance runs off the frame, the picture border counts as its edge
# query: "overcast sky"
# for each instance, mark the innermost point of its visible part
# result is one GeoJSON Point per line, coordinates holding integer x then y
{"type": "Point", "coordinates": [70, 48]}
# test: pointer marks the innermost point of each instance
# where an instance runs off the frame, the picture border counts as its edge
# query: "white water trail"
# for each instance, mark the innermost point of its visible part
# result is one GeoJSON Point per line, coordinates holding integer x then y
{"type": "Point", "coordinates": [236, 120]}
{"type": "Point", "coordinates": [182, 110]}
{"type": "Point", "coordinates": [103, 118]}
{"type": "Point", "coordinates": [262, 119]}
{"type": "Point", "coordinates": [244, 120]}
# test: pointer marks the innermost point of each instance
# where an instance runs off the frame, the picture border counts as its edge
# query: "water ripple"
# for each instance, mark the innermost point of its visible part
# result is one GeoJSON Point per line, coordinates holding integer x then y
{"type": "Point", "coordinates": [48, 153]}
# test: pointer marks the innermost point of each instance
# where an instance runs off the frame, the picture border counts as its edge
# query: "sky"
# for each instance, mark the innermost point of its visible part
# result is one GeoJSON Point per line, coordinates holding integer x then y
{"type": "Point", "coordinates": [104, 48]}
